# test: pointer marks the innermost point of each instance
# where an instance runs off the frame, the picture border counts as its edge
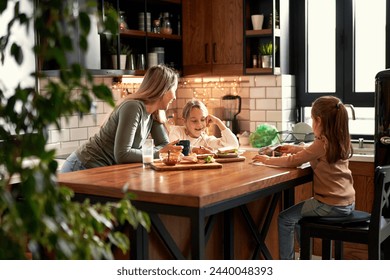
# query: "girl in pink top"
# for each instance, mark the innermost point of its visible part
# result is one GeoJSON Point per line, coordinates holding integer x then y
{"type": "Point", "coordinates": [328, 155]}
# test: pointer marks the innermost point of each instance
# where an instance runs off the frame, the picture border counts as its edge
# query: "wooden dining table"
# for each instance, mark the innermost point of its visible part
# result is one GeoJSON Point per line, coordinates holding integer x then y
{"type": "Point", "coordinates": [197, 194]}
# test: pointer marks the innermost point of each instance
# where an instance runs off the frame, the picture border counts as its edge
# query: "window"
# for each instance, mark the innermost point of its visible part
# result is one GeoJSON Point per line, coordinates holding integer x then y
{"type": "Point", "coordinates": [340, 46]}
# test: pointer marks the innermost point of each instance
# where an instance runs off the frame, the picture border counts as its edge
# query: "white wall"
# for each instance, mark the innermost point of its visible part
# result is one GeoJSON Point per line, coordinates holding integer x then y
{"type": "Point", "coordinates": [12, 74]}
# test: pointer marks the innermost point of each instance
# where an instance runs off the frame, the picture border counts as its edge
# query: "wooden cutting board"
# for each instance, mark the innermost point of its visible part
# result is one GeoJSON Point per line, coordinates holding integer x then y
{"type": "Point", "coordinates": [235, 159]}
{"type": "Point", "coordinates": [159, 166]}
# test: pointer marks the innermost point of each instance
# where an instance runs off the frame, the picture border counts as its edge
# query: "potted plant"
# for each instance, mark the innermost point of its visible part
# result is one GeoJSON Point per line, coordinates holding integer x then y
{"type": "Point", "coordinates": [124, 51]}
{"type": "Point", "coordinates": [266, 52]}
{"type": "Point", "coordinates": [39, 218]}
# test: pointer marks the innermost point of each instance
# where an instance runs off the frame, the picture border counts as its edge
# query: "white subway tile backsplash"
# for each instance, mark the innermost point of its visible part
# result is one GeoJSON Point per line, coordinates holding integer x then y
{"type": "Point", "coordinates": [53, 146]}
{"type": "Point", "coordinates": [78, 133]}
{"type": "Point", "coordinates": [288, 92]}
{"type": "Point", "coordinates": [68, 147]}
{"type": "Point", "coordinates": [265, 81]}
{"type": "Point", "coordinates": [58, 135]}
{"type": "Point", "coordinates": [279, 104]}
{"type": "Point", "coordinates": [107, 108]}
{"type": "Point", "coordinates": [273, 92]}
{"type": "Point", "coordinates": [265, 99]}
{"type": "Point", "coordinates": [244, 92]}
{"type": "Point", "coordinates": [100, 107]}
{"type": "Point", "coordinates": [266, 104]}
{"type": "Point", "coordinates": [257, 92]}
{"type": "Point", "coordinates": [273, 116]}
{"type": "Point", "coordinates": [257, 115]}
{"type": "Point", "coordinates": [244, 115]}
{"type": "Point", "coordinates": [70, 122]}
{"type": "Point", "coordinates": [88, 120]}
{"type": "Point", "coordinates": [285, 80]}
{"type": "Point", "coordinates": [92, 131]}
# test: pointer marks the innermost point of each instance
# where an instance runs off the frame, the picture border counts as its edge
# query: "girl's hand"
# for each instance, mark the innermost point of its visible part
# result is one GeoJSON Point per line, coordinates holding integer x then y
{"type": "Point", "coordinates": [202, 150]}
{"type": "Point", "coordinates": [288, 149]}
{"type": "Point", "coordinates": [171, 147]}
{"type": "Point", "coordinates": [285, 149]}
{"type": "Point", "coordinates": [260, 158]}
{"type": "Point", "coordinates": [211, 119]}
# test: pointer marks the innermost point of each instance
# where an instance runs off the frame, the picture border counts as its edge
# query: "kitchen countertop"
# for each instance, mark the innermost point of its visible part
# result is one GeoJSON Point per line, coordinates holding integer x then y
{"type": "Point", "coordinates": [360, 155]}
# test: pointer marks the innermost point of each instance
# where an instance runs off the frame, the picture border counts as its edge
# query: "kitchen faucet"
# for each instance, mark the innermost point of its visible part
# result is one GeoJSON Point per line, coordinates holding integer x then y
{"type": "Point", "coordinates": [352, 110]}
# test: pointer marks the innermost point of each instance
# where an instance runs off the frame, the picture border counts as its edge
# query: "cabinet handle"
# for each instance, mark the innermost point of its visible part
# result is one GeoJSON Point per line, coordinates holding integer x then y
{"type": "Point", "coordinates": [385, 140]}
{"type": "Point", "coordinates": [206, 52]}
{"type": "Point", "coordinates": [214, 52]}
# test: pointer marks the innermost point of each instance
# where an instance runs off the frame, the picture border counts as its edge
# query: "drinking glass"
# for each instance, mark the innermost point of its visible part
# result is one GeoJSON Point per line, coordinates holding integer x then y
{"type": "Point", "coordinates": [147, 153]}
{"type": "Point", "coordinates": [141, 62]}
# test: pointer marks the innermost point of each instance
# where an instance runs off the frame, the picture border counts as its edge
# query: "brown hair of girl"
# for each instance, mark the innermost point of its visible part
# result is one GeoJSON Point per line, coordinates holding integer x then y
{"type": "Point", "coordinates": [334, 123]}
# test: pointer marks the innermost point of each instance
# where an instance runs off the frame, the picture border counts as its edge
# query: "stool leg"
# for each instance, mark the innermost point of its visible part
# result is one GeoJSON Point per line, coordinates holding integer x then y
{"type": "Point", "coordinates": [338, 250]}
{"type": "Point", "coordinates": [306, 245]}
{"type": "Point", "coordinates": [326, 249]}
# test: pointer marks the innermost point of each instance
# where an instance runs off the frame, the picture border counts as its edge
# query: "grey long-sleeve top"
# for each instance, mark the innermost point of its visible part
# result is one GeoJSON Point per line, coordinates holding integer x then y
{"type": "Point", "coordinates": [121, 138]}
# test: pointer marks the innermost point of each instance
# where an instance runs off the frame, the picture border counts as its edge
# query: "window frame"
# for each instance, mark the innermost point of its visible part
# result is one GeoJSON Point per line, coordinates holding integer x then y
{"type": "Point", "coordinates": [344, 54]}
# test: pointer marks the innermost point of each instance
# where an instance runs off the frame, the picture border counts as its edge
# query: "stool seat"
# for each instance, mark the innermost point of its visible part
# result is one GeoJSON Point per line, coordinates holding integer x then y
{"type": "Point", "coordinates": [358, 218]}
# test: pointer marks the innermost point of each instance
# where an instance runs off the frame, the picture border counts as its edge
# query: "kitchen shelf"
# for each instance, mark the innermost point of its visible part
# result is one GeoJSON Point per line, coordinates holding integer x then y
{"type": "Point", "coordinates": [275, 30]}
{"type": "Point", "coordinates": [263, 32]}
{"type": "Point", "coordinates": [139, 38]}
{"type": "Point", "coordinates": [143, 34]}
{"type": "Point", "coordinates": [268, 71]}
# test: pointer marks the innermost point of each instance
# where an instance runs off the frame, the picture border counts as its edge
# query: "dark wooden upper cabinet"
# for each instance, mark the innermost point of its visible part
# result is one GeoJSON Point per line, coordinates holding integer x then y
{"type": "Point", "coordinates": [212, 37]}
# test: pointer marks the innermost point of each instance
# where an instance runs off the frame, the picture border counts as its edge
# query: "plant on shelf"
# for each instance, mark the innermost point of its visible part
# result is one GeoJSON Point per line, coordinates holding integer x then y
{"type": "Point", "coordinates": [124, 51]}
{"type": "Point", "coordinates": [266, 52]}
{"type": "Point", "coordinates": [40, 219]}
{"type": "Point", "coordinates": [266, 48]}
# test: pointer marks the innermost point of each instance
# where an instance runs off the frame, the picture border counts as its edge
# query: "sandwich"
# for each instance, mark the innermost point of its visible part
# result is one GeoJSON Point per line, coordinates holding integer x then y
{"type": "Point", "coordinates": [227, 152]}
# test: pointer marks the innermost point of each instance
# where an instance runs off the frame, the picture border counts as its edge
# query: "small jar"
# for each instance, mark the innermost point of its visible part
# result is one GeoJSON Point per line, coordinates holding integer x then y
{"type": "Point", "coordinates": [156, 26]}
{"type": "Point", "coordinates": [166, 27]}
{"type": "Point", "coordinates": [254, 61]}
{"type": "Point", "coordinates": [122, 20]}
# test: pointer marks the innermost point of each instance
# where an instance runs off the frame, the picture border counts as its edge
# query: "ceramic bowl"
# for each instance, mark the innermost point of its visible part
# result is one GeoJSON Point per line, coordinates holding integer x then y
{"type": "Point", "coordinates": [171, 158]}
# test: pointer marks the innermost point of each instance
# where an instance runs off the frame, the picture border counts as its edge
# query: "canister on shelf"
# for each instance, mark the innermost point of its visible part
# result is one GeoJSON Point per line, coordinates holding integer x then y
{"type": "Point", "coordinates": [152, 59]}
{"type": "Point", "coordinates": [254, 61]}
{"type": "Point", "coordinates": [141, 22]}
{"type": "Point", "coordinates": [160, 54]}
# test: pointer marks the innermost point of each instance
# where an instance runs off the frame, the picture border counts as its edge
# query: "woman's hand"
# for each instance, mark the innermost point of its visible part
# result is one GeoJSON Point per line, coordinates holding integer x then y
{"type": "Point", "coordinates": [260, 158]}
{"type": "Point", "coordinates": [171, 147]}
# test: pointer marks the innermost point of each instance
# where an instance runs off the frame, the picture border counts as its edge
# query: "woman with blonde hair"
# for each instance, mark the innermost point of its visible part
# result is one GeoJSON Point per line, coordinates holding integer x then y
{"type": "Point", "coordinates": [121, 137]}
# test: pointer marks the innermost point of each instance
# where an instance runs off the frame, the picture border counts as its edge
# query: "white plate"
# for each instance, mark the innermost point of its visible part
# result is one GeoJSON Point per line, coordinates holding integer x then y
{"type": "Point", "coordinates": [300, 131]}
